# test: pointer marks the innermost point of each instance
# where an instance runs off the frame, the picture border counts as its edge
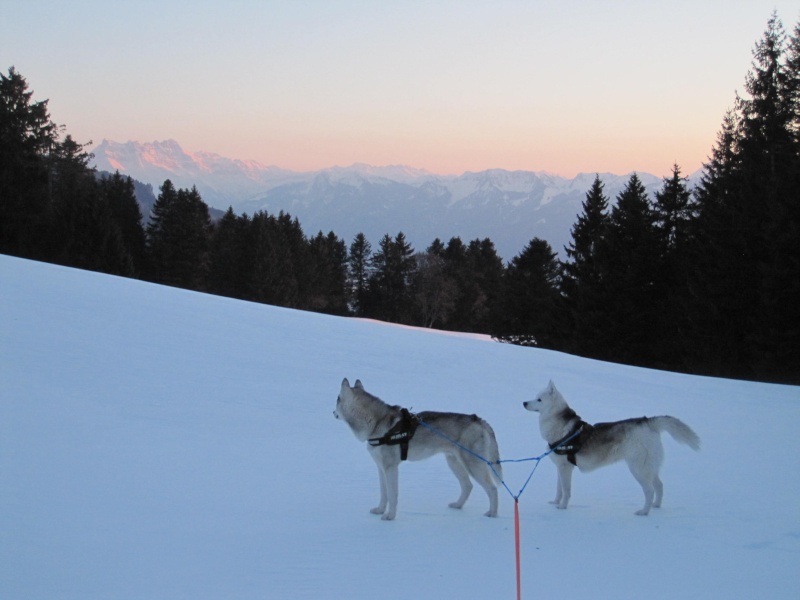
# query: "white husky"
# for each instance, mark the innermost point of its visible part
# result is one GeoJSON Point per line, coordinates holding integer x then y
{"type": "Point", "coordinates": [576, 443]}
{"type": "Point", "coordinates": [393, 432]}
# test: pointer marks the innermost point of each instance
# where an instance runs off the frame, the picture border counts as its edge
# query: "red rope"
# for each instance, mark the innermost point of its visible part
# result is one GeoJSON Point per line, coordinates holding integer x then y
{"type": "Point", "coordinates": [516, 538]}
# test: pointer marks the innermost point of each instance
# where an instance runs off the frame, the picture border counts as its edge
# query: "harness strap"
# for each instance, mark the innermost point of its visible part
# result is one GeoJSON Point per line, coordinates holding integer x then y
{"type": "Point", "coordinates": [400, 434]}
{"type": "Point", "coordinates": [570, 444]}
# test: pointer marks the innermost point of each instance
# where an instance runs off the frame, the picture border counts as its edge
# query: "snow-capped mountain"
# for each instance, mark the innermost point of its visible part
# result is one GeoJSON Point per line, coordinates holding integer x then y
{"type": "Point", "coordinates": [509, 207]}
{"type": "Point", "coordinates": [220, 180]}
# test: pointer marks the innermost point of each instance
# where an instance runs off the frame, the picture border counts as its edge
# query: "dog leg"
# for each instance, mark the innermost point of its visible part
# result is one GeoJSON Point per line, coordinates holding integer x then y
{"type": "Point", "coordinates": [391, 474]}
{"type": "Point", "coordinates": [460, 471]}
{"type": "Point", "coordinates": [565, 484]}
{"type": "Point", "coordinates": [483, 476]}
{"type": "Point", "coordinates": [491, 491]}
{"type": "Point", "coordinates": [482, 473]}
{"type": "Point", "coordinates": [659, 492]}
{"type": "Point", "coordinates": [381, 508]}
{"type": "Point", "coordinates": [558, 490]}
{"type": "Point", "coordinates": [645, 479]}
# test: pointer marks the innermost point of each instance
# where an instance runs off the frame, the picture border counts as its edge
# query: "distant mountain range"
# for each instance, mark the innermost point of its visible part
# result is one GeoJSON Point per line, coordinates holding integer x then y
{"type": "Point", "coordinates": [509, 207]}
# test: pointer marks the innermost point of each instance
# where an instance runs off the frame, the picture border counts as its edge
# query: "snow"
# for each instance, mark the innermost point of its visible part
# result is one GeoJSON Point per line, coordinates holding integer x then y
{"type": "Point", "coordinates": [158, 443]}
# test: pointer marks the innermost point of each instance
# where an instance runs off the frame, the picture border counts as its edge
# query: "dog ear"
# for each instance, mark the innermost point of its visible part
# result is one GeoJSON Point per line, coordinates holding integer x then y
{"type": "Point", "coordinates": [551, 387]}
{"type": "Point", "coordinates": [358, 384]}
{"type": "Point", "coordinates": [345, 383]}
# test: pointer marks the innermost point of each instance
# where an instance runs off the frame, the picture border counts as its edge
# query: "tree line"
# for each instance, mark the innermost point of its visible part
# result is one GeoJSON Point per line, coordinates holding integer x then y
{"type": "Point", "coordinates": [703, 280]}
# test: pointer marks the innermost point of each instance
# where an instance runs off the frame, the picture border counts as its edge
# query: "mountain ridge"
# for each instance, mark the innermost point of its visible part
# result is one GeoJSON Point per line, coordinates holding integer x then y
{"type": "Point", "coordinates": [509, 207]}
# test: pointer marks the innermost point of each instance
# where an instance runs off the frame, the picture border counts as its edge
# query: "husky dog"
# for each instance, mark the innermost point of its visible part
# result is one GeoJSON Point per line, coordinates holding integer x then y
{"type": "Point", "coordinates": [374, 421]}
{"type": "Point", "coordinates": [576, 443]}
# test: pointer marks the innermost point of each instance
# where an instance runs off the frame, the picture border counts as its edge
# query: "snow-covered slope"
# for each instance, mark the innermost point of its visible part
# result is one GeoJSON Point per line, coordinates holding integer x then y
{"type": "Point", "coordinates": [157, 443]}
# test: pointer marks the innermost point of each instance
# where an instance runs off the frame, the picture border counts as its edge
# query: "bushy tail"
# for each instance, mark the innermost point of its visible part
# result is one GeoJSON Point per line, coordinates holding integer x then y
{"type": "Point", "coordinates": [679, 430]}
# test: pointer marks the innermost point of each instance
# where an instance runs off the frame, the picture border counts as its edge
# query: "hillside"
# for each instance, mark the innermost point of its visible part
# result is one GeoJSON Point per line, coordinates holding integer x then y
{"type": "Point", "coordinates": [159, 443]}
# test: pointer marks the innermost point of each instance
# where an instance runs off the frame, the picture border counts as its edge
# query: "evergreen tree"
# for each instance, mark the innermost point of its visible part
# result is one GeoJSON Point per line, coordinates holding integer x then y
{"type": "Point", "coordinates": [673, 210]}
{"type": "Point", "coordinates": [715, 278]}
{"type": "Point", "coordinates": [294, 261]}
{"type": "Point", "coordinates": [476, 272]}
{"type": "Point", "coordinates": [53, 208]}
{"type": "Point", "coordinates": [159, 232]}
{"type": "Point", "coordinates": [455, 253]}
{"type": "Point", "coordinates": [530, 310]}
{"type": "Point", "coordinates": [674, 213]}
{"type": "Point", "coordinates": [437, 248]}
{"type": "Point", "coordinates": [481, 292]}
{"type": "Point", "coordinates": [629, 258]}
{"type": "Point", "coordinates": [178, 238]}
{"type": "Point", "coordinates": [747, 268]}
{"type": "Point", "coordinates": [328, 261]}
{"type": "Point", "coordinates": [582, 279]}
{"type": "Point", "coordinates": [265, 258]}
{"type": "Point", "coordinates": [434, 292]}
{"type": "Point", "coordinates": [278, 259]}
{"type": "Point", "coordinates": [359, 262]}
{"type": "Point", "coordinates": [717, 184]}
{"type": "Point", "coordinates": [73, 207]}
{"type": "Point", "coordinates": [390, 285]}
{"type": "Point", "coordinates": [766, 114]}
{"type": "Point", "coordinates": [783, 278]}
{"type": "Point", "coordinates": [84, 231]}
{"type": "Point", "coordinates": [119, 193]}
{"type": "Point", "coordinates": [27, 139]}
{"type": "Point", "coordinates": [228, 258]}
{"type": "Point", "coordinates": [771, 175]}
{"type": "Point", "coordinates": [456, 270]}
{"type": "Point", "coordinates": [792, 87]}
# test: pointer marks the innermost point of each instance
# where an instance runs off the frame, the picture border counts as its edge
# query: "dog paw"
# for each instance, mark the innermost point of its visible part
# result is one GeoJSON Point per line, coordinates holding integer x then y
{"type": "Point", "coordinates": [377, 510]}
{"type": "Point", "coordinates": [561, 506]}
{"type": "Point", "coordinates": [641, 513]}
{"type": "Point", "coordinates": [490, 513]}
{"type": "Point", "coordinates": [455, 505]}
{"type": "Point", "coordinates": [387, 517]}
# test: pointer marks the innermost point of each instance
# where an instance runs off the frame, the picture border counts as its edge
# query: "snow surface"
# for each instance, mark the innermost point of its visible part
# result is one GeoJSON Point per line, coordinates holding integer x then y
{"type": "Point", "coordinates": [158, 443]}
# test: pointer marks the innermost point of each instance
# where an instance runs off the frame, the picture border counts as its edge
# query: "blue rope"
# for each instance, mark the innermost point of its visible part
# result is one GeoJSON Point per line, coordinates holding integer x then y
{"type": "Point", "coordinates": [468, 451]}
{"type": "Point", "coordinates": [493, 463]}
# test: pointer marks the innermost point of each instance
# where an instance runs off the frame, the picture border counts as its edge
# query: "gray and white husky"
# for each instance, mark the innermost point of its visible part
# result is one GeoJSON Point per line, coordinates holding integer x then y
{"type": "Point", "coordinates": [371, 419]}
{"type": "Point", "coordinates": [576, 443]}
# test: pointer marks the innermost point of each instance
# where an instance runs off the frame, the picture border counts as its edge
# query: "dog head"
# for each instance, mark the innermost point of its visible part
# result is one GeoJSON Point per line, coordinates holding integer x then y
{"type": "Point", "coordinates": [547, 400]}
{"type": "Point", "coordinates": [356, 407]}
{"type": "Point", "coordinates": [345, 396]}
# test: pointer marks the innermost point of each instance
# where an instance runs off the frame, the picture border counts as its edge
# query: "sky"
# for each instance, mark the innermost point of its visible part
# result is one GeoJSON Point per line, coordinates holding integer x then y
{"type": "Point", "coordinates": [563, 87]}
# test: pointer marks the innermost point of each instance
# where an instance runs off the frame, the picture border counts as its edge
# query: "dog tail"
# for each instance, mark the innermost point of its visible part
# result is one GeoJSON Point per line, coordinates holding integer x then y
{"type": "Point", "coordinates": [492, 452]}
{"type": "Point", "coordinates": [679, 430]}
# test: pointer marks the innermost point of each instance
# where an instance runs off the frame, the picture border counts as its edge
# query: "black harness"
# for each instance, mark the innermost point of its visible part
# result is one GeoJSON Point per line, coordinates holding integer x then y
{"type": "Point", "coordinates": [400, 434]}
{"type": "Point", "coordinates": [570, 444]}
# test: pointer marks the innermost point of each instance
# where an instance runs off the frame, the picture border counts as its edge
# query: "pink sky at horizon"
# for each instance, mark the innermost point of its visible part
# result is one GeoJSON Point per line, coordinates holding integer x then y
{"type": "Point", "coordinates": [447, 87]}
